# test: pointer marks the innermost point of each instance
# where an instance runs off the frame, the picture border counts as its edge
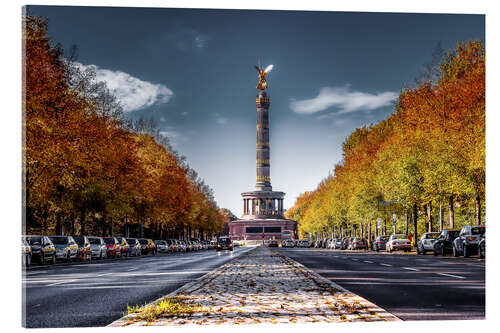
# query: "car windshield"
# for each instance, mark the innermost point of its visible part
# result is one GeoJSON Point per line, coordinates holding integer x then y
{"type": "Point", "coordinates": [130, 240]}
{"type": "Point", "coordinates": [34, 240]}
{"type": "Point", "coordinates": [161, 242]}
{"type": "Point", "coordinates": [59, 240]}
{"type": "Point", "coordinates": [399, 237]}
{"type": "Point", "coordinates": [478, 230]}
{"type": "Point", "coordinates": [95, 241]}
{"type": "Point", "coordinates": [78, 239]}
{"type": "Point", "coordinates": [224, 240]}
{"type": "Point", "coordinates": [431, 236]}
{"type": "Point", "coordinates": [453, 234]}
{"type": "Point", "coordinates": [143, 241]}
{"type": "Point", "coordinates": [109, 241]}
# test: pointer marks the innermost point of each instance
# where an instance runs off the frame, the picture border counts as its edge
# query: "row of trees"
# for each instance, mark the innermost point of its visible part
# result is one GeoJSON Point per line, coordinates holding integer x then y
{"type": "Point", "coordinates": [428, 156]}
{"type": "Point", "coordinates": [87, 170]}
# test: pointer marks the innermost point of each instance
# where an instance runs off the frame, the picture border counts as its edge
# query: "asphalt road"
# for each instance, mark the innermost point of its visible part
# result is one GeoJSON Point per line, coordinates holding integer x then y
{"type": "Point", "coordinates": [95, 294]}
{"type": "Point", "coordinates": [409, 286]}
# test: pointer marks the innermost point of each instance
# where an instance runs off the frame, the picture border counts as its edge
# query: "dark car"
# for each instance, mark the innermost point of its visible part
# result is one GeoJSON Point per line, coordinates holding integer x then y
{"type": "Point", "coordinates": [42, 249]}
{"type": "Point", "coordinates": [468, 240]}
{"type": "Point", "coordinates": [112, 247]}
{"type": "Point", "coordinates": [359, 243]}
{"type": "Point", "coordinates": [345, 243]}
{"type": "Point", "coordinates": [66, 247]}
{"type": "Point", "coordinates": [379, 243]}
{"type": "Point", "coordinates": [84, 249]}
{"type": "Point", "coordinates": [134, 247]}
{"type": "Point", "coordinates": [124, 247]}
{"type": "Point", "coordinates": [482, 247]}
{"type": "Point", "coordinates": [444, 242]}
{"type": "Point", "coordinates": [224, 243]}
{"type": "Point", "coordinates": [273, 243]}
{"type": "Point", "coordinates": [147, 246]}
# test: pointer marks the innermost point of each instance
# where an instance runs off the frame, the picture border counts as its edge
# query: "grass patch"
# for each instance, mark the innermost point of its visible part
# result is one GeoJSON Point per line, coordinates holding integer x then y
{"type": "Point", "coordinates": [168, 307]}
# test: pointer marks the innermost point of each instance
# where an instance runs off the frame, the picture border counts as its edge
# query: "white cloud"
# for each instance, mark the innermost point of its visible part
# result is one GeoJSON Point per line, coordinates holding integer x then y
{"type": "Point", "coordinates": [185, 113]}
{"type": "Point", "coordinates": [133, 93]}
{"type": "Point", "coordinates": [344, 100]}
{"type": "Point", "coordinates": [175, 137]}
{"type": "Point", "coordinates": [220, 119]}
{"type": "Point", "coordinates": [162, 119]}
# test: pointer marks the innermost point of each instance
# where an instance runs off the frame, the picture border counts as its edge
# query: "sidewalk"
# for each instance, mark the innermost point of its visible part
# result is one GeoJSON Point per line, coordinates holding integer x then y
{"type": "Point", "coordinates": [262, 286]}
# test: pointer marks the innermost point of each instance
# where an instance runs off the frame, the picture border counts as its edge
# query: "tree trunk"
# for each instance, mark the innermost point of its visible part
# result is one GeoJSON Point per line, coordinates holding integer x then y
{"type": "Point", "coordinates": [441, 218]}
{"type": "Point", "coordinates": [478, 210]}
{"type": "Point", "coordinates": [415, 220]}
{"type": "Point", "coordinates": [407, 218]}
{"type": "Point", "coordinates": [451, 212]}
{"type": "Point", "coordinates": [58, 224]}
{"type": "Point", "coordinates": [429, 217]}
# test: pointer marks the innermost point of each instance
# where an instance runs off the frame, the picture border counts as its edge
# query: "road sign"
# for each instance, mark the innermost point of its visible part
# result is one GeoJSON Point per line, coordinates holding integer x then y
{"type": "Point", "coordinates": [389, 206]}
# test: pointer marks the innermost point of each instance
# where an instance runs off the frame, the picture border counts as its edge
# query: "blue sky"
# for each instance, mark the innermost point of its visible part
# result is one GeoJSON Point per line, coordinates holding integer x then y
{"type": "Point", "coordinates": [192, 72]}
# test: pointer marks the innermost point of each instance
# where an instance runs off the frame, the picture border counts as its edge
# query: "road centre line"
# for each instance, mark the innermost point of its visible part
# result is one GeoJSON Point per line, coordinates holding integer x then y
{"type": "Point", "coordinates": [451, 275]}
{"type": "Point", "coordinates": [368, 261]}
{"type": "Point", "coordinates": [60, 282]}
{"type": "Point", "coordinates": [386, 265]}
{"type": "Point", "coordinates": [411, 269]}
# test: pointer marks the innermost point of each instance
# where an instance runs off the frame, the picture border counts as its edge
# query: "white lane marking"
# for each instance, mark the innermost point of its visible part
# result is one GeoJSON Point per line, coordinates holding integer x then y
{"type": "Point", "coordinates": [354, 259]}
{"type": "Point", "coordinates": [60, 282]}
{"type": "Point", "coordinates": [386, 265]}
{"type": "Point", "coordinates": [105, 274]}
{"type": "Point", "coordinates": [368, 261]}
{"type": "Point", "coordinates": [410, 269]}
{"type": "Point", "coordinates": [132, 269]}
{"type": "Point", "coordinates": [451, 275]}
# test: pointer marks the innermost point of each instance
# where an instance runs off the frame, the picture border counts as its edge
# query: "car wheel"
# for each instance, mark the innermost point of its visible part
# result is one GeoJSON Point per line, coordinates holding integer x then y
{"type": "Point", "coordinates": [68, 258]}
{"type": "Point", "coordinates": [443, 252]}
{"type": "Point", "coordinates": [42, 259]}
{"type": "Point", "coordinates": [481, 253]}
{"type": "Point", "coordinates": [466, 252]}
{"type": "Point", "coordinates": [28, 260]}
{"type": "Point", "coordinates": [53, 259]}
{"type": "Point", "coordinates": [435, 252]}
{"type": "Point", "coordinates": [455, 252]}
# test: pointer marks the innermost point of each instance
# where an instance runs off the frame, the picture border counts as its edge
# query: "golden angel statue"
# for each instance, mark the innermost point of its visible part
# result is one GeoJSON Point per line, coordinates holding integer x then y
{"type": "Point", "coordinates": [262, 85]}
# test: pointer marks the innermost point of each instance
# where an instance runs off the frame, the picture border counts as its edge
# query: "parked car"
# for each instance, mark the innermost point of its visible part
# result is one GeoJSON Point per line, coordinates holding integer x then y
{"type": "Point", "coordinates": [273, 243]}
{"type": "Point", "coordinates": [25, 253]}
{"type": "Point", "coordinates": [113, 249]}
{"type": "Point", "coordinates": [42, 249]}
{"type": "Point", "coordinates": [134, 247]}
{"type": "Point", "coordinates": [161, 246]}
{"type": "Point", "coordinates": [379, 243]}
{"type": "Point", "coordinates": [337, 244]}
{"type": "Point", "coordinates": [288, 243]}
{"type": "Point", "coordinates": [304, 243]}
{"type": "Point", "coordinates": [147, 246]}
{"type": "Point", "coordinates": [181, 245]}
{"type": "Point", "coordinates": [398, 242]}
{"type": "Point", "coordinates": [84, 250]}
{"type": "Point", "coordinates": [359, 243]}
{"type": "Point", "coordinates": [98, 247]}
{"type": "Point", "coordinates": [468, 240]}
{"type": "Point", "coordinates": [124, 247]}
{"type": "Point", "coordinates": [66, 247]}
{"type": "Point", "coordinates": [426, 242]}
{"type": "Point", "coordinates": [345, 243]}
{"type": "Point", "coordinates": [171, 245]}
{"type": "Point", "coordinates": [444, 242]}
{"type": "Point", "coordinates": [349, 243]}
{"type": "Point", "coordinates": [224, 243]}
{"type": "Point", "coordinates": [482, 247]}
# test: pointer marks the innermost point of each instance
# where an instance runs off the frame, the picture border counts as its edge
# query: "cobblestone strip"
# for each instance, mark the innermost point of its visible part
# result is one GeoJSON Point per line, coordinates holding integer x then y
{"type": "Point", "coordinates": [262, 286]}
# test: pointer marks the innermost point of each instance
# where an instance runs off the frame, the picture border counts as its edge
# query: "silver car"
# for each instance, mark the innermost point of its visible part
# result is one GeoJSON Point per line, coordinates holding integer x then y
{"type": "Point", "coordinates": [161, 246]}
{"type": "Point", "coordinates": [98, 247]}
{"type": "Point", "coordinates": [135, 247]}
{"type": "Point", "coordinates": [66, 247]}
{"type": "Point", "coordinates": [426, 242]}
{"type": "Point", "coordinates": [398, 242]}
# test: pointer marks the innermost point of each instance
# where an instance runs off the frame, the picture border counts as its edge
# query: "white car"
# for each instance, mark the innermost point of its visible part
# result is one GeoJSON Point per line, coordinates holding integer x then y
{"type": "Point", "coordinates": [426, 242]}
{"type": "Point", "coordinates": [398, 242]}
